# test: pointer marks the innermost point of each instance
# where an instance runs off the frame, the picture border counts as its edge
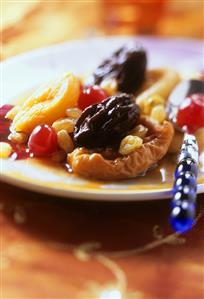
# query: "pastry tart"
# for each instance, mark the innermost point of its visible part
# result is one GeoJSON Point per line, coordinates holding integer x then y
{"type": "Point", "coordinates": [155, 145]}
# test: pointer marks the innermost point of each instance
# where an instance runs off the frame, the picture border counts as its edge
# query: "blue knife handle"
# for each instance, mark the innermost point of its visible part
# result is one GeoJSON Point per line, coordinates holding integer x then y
{"type": "Point", "coordinates": [183, 204]}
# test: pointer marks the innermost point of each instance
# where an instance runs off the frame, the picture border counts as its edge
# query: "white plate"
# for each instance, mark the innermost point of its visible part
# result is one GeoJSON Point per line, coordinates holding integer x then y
{"type": "Point", "coordinates": [23, 72]}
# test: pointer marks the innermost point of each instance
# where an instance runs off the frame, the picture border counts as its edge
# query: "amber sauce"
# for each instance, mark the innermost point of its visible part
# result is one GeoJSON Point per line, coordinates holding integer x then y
{"type": "Point", "coordinates": [158, 176]}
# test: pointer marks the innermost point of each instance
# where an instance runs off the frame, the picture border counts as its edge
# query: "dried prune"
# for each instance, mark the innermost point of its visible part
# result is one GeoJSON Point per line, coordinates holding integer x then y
{"type": "Point", "coordinates": [127, 65]}
{"type": "Point", "coordinates": [106, 123]}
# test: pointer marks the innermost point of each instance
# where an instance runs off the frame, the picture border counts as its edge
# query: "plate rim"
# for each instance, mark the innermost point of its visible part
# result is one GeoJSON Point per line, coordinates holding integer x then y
{"type": "Point", "coordinates": [101, 194]}
{"type": "Point", "coordinates": [56, 46]}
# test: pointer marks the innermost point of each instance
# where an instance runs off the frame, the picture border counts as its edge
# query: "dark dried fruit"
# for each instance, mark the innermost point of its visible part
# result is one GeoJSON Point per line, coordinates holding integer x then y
{"type": "Point", "coordinates": [106, 123]}
{"type": "Point", "coordinates": [127, 65]}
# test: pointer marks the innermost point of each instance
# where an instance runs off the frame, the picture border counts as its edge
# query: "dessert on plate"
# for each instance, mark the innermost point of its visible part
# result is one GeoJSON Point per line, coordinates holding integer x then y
{"type": "Point", "coordinates": [117, 125]}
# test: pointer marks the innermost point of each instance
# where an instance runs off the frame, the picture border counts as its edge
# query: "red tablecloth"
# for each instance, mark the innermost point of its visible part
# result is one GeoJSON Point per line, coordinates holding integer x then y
{"type": "Point", "coordinates": [72, 249]}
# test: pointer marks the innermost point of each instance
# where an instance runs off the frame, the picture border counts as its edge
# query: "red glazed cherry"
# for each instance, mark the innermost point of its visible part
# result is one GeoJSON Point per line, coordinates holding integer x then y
{"type": "Point", "coordinates": [191, 112]}
{"type": "Point", "coordinates": [91, 95]}
{"type": "Point", "coordinates": [42, 141]}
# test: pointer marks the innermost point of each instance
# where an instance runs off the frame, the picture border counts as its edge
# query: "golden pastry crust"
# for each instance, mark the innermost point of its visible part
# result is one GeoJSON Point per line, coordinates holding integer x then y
{"type": "Point", "coordinates": [88, 164]}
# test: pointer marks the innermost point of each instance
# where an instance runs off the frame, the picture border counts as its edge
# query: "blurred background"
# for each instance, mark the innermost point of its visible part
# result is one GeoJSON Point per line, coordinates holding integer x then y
{"type": "Point", "coordinates": [30, 24]}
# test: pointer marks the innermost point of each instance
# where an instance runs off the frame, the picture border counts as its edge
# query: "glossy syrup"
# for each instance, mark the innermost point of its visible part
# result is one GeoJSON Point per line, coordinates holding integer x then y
{"type": "Point", "coordinates": [20, 151]}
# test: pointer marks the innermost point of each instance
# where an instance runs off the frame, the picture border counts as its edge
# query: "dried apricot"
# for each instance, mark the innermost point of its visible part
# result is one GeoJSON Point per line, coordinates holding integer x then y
{"type": "Point", "coordinates": [47, 104]}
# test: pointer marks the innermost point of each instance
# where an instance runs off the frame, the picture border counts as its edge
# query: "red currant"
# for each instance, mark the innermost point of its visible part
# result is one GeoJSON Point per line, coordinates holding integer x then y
{"type": "Point", "coordinates": [42, 141]}
{"type": "Point", "coordinates": [91, 95]}
{"type": "Point", "coordinates": [191, 112]}
{"type": "Point", "coordinates": [4, 109]}
{"type": "Point", "coordinates": [4, 123]}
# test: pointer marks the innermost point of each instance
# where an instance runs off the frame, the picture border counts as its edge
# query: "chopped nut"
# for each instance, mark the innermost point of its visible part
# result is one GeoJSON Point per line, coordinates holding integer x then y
{"type": "Point", "coordinates": [139, 131]}
{"type": "Point", "coordinates": [151, 102]}
{"type": "Point", "coordinates": [18, 137]}
{"type": "Point", "coordinates": [65, 141]}
{"type": "Point", "coordinates": [12, 113]}
{"type": "Point", "coordinates": [5, 150]}
{"type": "Point", "coordinates": [64, 124]}
{"type": "Point", "coordinates": [110, 86]}
{"type": "Point", "coordinates": [129, 144]}
{"type": "Point", "coordinates": [73, 112]}
{"type": "Point", "coordinates": [158, 113]}
{"type": "Point", "coordinates": [147, 104]}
